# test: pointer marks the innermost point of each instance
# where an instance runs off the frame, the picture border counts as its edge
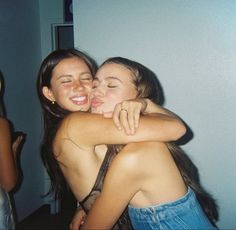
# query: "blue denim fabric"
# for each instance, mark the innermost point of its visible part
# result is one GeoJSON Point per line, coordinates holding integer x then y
{"type": "Point", "coordinates": [184, 213]}
{"type": "Point", "coordinates": [6, 216]}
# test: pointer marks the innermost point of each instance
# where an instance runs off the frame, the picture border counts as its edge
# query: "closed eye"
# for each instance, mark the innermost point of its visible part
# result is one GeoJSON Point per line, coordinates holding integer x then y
{"type": "Point", "coordinates": [86, 77]}
{"type": "Point", "coordinates": [63, 79]}
{"type": "Point", "coordinates": [111, 86]}
{"type": "Point", "coordinates": [66, 81]}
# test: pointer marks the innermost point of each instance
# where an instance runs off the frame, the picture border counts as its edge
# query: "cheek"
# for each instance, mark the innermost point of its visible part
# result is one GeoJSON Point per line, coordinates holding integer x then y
{"type": "Point", "coordinates": [89, 85]}
{"type": "Point", "coordinates": [112, 99]}
{"type": "Point", "coordinates": [130, 94]}
{"type": "Point", "coordinates": [61, 92]}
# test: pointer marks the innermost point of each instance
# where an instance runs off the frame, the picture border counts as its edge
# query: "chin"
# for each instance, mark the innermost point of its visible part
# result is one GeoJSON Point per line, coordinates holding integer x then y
{"type": "Point", "coordinates": [84, 108]}
{"type": "Point", "coordinates": [95, 111]}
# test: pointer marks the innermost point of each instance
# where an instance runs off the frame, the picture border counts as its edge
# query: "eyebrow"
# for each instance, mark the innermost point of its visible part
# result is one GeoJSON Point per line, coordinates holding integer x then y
{"type": "Point", "coordinates": [65, 75]}
{"type": "Point", "coordinates": [69, 75]}
{"type": "Point", "coordinates": [108, 78]}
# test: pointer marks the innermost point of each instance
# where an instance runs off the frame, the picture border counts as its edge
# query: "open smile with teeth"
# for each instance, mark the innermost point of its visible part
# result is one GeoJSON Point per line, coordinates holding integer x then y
{"type": "Point", "coordinates": [79, 100]}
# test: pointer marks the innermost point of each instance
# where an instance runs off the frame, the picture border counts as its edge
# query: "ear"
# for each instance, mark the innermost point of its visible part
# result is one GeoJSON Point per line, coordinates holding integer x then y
{"type": "Point", "coordinates": [48, 93]}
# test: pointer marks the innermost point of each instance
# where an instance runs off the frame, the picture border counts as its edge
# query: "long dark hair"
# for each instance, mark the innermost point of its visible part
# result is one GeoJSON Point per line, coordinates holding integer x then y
{"type": "Point", "coordinates": [190, 175]}
{"type": "Point", "coordinates": [53, 114]}
{"type": "Point", "coordinates": [1, 96]}
{"type": "Point", "coordinates": [148, 86]}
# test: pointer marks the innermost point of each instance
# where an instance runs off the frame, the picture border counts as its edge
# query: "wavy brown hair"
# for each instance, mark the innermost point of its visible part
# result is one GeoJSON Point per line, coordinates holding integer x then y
{"type": "Point", "coordinates": [148, 86]}
{"type": "Point", "coordinates": [53, 114]}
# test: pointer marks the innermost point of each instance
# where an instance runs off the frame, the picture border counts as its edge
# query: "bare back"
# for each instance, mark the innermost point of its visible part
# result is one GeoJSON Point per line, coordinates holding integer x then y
{"type": "Point", "coordinates": [79, 165]}
{"type": "Point", "coordinates": [158, 179]}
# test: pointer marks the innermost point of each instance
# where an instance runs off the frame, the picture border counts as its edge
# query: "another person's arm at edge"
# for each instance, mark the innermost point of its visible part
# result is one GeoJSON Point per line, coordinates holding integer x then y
{"type": "Point", "coordinates": [8, 168]}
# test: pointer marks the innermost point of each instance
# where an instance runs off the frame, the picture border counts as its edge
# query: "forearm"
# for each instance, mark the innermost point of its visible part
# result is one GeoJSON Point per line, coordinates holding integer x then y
{"type": "Point", "coordinates": [163, 128]}
{"type": "Point", "coordinates": [109, 207]}
{"type": "Point", "coordinates": [160, 127]}
{"type": "Point", "coordinates": [98, 218]}
{"type": "Point", "coordinates": [151, 107]}
{"type": "Point", "coordinates": [154, 109]}
{"type": "Point", "coordinates": [78, 218]}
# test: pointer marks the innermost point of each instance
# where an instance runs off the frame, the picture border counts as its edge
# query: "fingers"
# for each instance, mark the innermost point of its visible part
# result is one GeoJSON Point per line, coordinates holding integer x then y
{"type": "Point", "coordinates": [127, 121]}
{"type": "Point", "coordinates": [136, 119]}
{"type": "Point", "coordinates": [123, 119]}
{"type": "Point", "coordinates": [19, 139]}
{"type": "Point", "coordinates": [16, 145]}
{"type": "Point", "coordinates": [78, 219]}
{"type": "Point", "coordinates": [116, 116]}
{"type": "Point", "coordinates": [126, 115]}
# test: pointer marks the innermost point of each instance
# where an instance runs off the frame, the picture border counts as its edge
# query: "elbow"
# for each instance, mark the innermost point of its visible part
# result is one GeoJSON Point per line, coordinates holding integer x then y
{"type": "Point", "coordinates": [10, 185]}
{"type": "Point", "coordinates": [181, 130]}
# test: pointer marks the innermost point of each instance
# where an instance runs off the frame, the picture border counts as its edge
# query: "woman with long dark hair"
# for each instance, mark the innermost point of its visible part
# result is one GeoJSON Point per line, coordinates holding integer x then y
{"type": "Point", "coordinates": [64, 85]}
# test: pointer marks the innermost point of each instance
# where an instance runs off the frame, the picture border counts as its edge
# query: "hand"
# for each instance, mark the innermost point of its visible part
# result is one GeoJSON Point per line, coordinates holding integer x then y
{"type": "Point", "coordinates": [18, 140]}
{"type": "Point", "coordinates": [78, 219]}
{"type": "Point", "coordinates": [127, 113]}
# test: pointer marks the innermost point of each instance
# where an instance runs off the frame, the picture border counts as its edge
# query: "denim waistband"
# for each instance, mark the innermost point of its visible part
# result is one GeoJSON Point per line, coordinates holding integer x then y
{"type": "Point", "coordinates": [186, 202]}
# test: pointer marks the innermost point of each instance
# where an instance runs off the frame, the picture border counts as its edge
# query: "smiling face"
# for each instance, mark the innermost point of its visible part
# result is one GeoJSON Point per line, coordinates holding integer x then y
{"type": "Point", "coordinates": [71, 85]}
{"type": "Point", "coordinates": [113, 84]}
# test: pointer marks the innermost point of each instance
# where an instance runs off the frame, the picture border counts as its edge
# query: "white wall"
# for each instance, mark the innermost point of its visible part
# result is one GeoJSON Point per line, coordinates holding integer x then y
{"type": "Point", "coordinates": [191, 46]}
{"type": "Point", "coordinates": [51, 12]}
{"type": "Point", "coordinates": [19, 59]}
{"type": "Point", "coordinates": [25, 40]}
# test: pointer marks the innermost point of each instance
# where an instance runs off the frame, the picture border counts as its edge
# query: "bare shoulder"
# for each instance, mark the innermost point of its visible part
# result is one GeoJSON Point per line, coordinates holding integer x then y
{"type": "Point", "coordinates": [79, 118]}
{"type": "Point", "coordinates": [70, 142]}
{"type": "Point", "coordinates": [71, 123]}
{"type": "Point", "coordinates": [4, 122]}
{"type": "Point", "coordinates": [139, 155]}
{"type": "Point", "coordinates": [131, 156]}
{"type": "Point", "coordinates": [77, 125]}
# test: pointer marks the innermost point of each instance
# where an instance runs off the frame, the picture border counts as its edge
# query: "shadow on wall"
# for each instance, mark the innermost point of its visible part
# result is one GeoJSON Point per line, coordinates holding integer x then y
{"type": "Point", "coordinates": [161, 100]}
{"type": "Point", "coordinates": [186, 167]}
{"type": "Point", "coordinates": [190, 173]}
{"type": "Point", "coordinates": [2, 90]}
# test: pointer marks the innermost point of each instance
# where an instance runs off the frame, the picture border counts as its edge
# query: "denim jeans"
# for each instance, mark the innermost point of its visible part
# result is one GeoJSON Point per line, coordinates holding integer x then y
{"type": "Point", "coordinates": [184, 213]}
{"type": "Point", "coordinates": [6, 216]}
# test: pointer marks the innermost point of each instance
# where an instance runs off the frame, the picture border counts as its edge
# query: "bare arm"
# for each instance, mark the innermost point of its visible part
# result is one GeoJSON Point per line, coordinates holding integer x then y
{"type": "Point", "coordinates": [8, 169]}
{"type": "Point", "coordinates": [129, 120]}
{"type": "Point", "coordinates": [111, 203]}
{"type": "Point", "coordinates": [92, 129]}
{"type": "Point", "coordinates": [78, 219]}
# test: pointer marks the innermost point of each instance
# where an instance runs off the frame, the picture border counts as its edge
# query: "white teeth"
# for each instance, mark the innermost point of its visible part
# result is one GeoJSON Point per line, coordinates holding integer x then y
{"type": "Point", "coordinates": [79, 98]}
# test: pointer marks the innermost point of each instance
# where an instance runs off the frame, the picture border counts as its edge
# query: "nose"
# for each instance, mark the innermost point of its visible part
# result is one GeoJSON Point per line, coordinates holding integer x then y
{"type": "Point", "coordinates": [78, 85]}
{"type": "Point", "coordinates": [96, 92]}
